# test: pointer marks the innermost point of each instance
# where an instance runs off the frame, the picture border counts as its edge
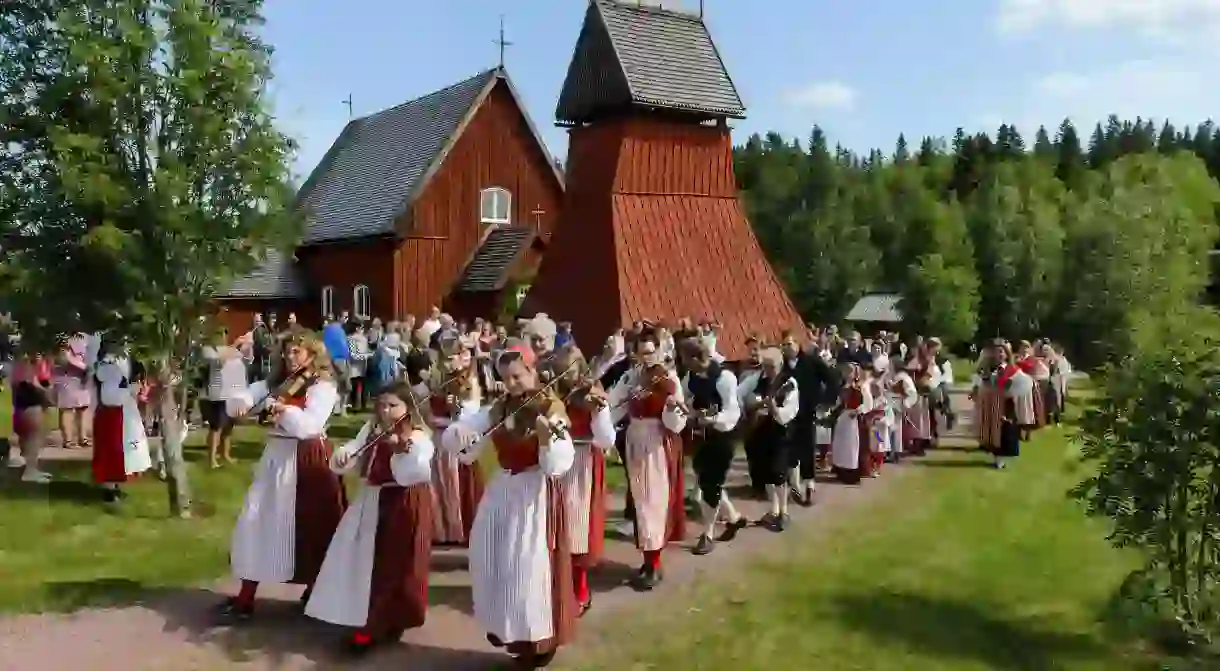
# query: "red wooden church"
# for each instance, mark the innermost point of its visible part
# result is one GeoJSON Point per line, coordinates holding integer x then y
{"type": "Point", "coordinates": [445, 200]}
{"type": "Point", "coordinates": [651, 227]}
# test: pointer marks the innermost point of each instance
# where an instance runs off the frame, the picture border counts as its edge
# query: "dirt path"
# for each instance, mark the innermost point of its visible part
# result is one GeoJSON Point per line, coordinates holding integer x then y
{"type": "Point", "coordinates": [173, 632]}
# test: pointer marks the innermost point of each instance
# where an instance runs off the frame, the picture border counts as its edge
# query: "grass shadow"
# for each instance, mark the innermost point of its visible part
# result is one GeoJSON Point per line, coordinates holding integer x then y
{"type": "Point", "coordinates": [71, 485]}
{"type": "Point", "coordinates": [933, 463]}
{"type": "Point", "coordinates": [943, 629]}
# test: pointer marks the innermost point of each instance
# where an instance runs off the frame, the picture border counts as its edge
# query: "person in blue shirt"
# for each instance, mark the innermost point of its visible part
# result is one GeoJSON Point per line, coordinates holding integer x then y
{"type": "Point", "coordinates": [335, 340]}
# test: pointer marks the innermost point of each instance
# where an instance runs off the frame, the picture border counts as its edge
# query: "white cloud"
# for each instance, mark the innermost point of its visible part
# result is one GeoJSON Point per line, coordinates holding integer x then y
{"type": "Point", "coordinates": [828, 95]}
{"type": "Point", "coordinates": [1164, 18]}
{"type": "Point", "coordinates": [1149, 89]}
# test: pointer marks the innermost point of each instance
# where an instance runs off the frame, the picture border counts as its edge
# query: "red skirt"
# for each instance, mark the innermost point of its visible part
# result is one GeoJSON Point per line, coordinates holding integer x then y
{"type": "Point", "coordinates": [320, 502]}
{"type": "Point", "coordinates": [597, 512]}
{"type": "Point", "coordinates": [109, 465]}
{"type": "Point", "coordinates": [676, 523]}
{"type": "Point", "coordinates": [398, 594]}
{"type": "Point", "coordinates": [470, 492]}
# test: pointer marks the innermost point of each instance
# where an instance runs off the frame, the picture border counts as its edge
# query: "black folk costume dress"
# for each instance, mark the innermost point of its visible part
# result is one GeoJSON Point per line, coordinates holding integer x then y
{"type": "Point", "coordinates": [520, 562]}
{"type": "Point", "coordinates": [375, 576]}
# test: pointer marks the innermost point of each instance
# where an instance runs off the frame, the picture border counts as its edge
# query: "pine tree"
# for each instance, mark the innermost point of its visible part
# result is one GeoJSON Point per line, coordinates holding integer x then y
{"type": "Point", "coordinates": [1167, 141]}
{"type": "Point", "coordinates": [1044, 148]}
{"type": "Point", "coordinates": [901, 153]}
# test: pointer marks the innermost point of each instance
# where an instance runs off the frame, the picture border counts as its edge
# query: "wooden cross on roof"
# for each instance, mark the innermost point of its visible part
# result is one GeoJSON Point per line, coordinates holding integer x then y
{"type": "Point", "coordinates": [348, 102]}
{"type": "Point", "coordinates": [501, 42]}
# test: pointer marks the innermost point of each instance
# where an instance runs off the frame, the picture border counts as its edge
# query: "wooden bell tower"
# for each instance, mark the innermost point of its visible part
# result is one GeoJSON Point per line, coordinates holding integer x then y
{"type": "Point", "coordinates": [651, 226]}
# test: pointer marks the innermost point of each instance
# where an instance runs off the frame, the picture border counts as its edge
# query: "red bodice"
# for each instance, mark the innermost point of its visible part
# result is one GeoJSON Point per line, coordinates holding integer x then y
{"type": "Point", "coordinates": [439, 406]}
{"type": "Point", "coordinates": [1028, 364]}
{"type": "Point", "coordinates": [852, 398]}
{"type": "Point", "coordinates": [516, 455]}
{"type": "Point", "coordinates": [377, 464]}
{"type": "Point", "coordinates": [580, 421]}
{"type": "Point", "coordinates": [651, 404]}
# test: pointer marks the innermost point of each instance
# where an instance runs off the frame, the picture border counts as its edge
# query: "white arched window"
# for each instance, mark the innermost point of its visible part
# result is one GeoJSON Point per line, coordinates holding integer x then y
{"type": "Point", "coordinates": [328, 301]}
{"type": "Point", "coordinates": [496, 206]}
{"type": "Point", "coordinates": [361, 307]}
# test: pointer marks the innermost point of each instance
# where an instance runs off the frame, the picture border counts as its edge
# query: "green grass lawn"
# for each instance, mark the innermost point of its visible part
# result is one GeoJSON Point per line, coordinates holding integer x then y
{"type": "Point", "coordinates": [62, 549]}
{"type": "Point", "coordinates": [953, 567]}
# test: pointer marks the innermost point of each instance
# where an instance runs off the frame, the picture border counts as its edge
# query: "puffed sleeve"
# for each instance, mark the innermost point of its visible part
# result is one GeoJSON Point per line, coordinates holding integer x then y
{"type": "Point", "coordinates": [603, 429]}
{"type": "Point", "coordinates": [730, 403]}
{"type": "Point", "coordinates": [415, 466]}
{"type": "Point", "coordinates": [672, 419]}
{"type": "Point", "coordinates": [243, 398]}
{"type": "Point", "coordinates": [310, 421]}
{"type": "Point", "coordinates": [619, 393]}
{"type": "Point", "coordinates": [557, 457]}
{"type": "Point", "coordinates": [787, 412]}
{"type": "Point", "coordinates": [469, 424]}
{"type": "Point", "coordinates": [349, 448]}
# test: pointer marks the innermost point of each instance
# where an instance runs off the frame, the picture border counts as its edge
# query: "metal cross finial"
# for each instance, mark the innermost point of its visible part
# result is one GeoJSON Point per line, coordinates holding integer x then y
{"type": "Point", "coordinates": [348, 102]}
{"type": "Point", "coordinates": [501, 42]}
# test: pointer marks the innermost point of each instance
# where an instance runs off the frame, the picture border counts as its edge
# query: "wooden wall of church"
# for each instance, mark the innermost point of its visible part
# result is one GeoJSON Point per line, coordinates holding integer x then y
{"type": "Point", "coordinates": [443, 230]}
{"type": "Point", "coordinates": [343, 267]}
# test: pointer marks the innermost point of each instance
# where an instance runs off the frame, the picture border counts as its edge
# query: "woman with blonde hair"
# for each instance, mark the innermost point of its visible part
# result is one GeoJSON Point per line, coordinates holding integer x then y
{"type": "Point", "coordinates": [295, 502]}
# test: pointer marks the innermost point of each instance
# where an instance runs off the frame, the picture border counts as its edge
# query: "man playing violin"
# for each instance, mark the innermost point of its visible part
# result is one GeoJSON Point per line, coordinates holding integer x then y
{"type": "Point", "coordinates": [520, 560]}
{"type": "Point", "coordinates": [771, 400]}
{"type": "Point", "coordinates": [295, 502]}
{"type": "Point", "coordinates": [712, 391]}
{"type": "Point", "coordinates": [584, 485]}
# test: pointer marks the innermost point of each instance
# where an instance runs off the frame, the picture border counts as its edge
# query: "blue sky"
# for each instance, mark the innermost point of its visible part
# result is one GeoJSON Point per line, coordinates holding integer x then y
{"type": "Point", "coordinates": [864, 70]}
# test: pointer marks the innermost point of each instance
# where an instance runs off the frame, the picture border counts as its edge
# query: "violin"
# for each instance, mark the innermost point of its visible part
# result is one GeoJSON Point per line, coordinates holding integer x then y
{"type": "Point", "coordinates": [587, 393]}
{"type": "Point", "coordinates": [527, 410]}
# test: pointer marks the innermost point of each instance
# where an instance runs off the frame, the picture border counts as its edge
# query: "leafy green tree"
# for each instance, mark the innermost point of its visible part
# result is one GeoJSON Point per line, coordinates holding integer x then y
{"type": "Point", "coordinates": [144, 173]}
{"type": "Point", "coordinates": [1157, 478]}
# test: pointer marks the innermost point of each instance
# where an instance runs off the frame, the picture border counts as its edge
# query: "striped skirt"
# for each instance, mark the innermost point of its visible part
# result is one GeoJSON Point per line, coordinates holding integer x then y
{"type": "Point", "coordinates": [584, 490]}
{"type": "Point", "coordinates": [988, 415]}
{"type": "Point", "coordinates": [456, 491]}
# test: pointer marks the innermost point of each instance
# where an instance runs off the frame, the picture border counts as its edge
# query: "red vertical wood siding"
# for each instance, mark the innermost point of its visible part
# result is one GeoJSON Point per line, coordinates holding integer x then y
{"type": "Point", "coordinates": [237, 314]}
{"type": "Point", "coordinates": [443, 231]}
{"type": "Point", "coordinates": [652, 224]}
{"type": "Point", "coordinates": [345, 266]}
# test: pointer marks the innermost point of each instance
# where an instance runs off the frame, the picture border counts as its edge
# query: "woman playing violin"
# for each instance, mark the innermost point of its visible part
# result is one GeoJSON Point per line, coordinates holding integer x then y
{"type": "Point", "coordinates": [452, 390]}
{"type": "Point", "coordinates": [295, 502]}
{"type": "Point", "coordinates": [375, 577]}
{"type": "Point", "coordinates": [520, 562]}
{"type": "Point", "coordinates": [584, 484]}
{"type": "Point", "coordinates": [654, 456]}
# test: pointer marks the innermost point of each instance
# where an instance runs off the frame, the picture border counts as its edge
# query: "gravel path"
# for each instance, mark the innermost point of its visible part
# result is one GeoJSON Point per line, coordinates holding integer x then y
{"type": "Point", "coordinates": [172, 631]}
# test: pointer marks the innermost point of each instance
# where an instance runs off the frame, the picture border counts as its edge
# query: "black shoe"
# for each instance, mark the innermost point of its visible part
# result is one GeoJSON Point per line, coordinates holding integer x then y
{"type": "Point", "coordinates": [732, 528]}
{"type": "Point", "coordinates": [232, 613]}
{"type": "Point", "coordinates": [704, 546]}
{"type": "Point", "coordinates": [647, 579]}
{"type": "Point", "coordinates": [807, 500]}
{"type": "Point", "coordinates": [495, 641]}
{"type": "Point", "coordinates": [773, 523]}
{"type": "Point", "coordinates": [794, 494]}
{"type": "Point", "coordinates": [585, 607]}
{"type": "Point", "coordinates": [950, 421]}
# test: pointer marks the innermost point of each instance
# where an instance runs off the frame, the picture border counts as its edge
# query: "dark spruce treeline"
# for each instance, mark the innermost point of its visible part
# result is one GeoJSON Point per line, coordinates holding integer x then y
{"type": "Point", "coordinates": [1077, 239]}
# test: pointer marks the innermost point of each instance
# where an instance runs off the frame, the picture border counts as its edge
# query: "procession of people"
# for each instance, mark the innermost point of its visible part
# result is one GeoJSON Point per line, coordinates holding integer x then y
{"type": "Point", "coordinates": [500, 445]}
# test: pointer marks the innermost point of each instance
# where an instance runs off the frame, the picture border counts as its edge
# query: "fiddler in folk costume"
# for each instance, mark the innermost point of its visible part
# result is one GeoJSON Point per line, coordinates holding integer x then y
{"type": "Point", "coordinates": [1032, 407]}
{"type": "Point", "coordinates": [295, 502]}
{"type": "Point", "coordinates": [375, 576]}
{"type": "Point", "coordinates": [456, 487]}
{"type": "Point", "coordinates": [120, 446]}
{"type": "Point", "coordinates": [771, 402]}
{"type": "Point", "coordinates": [750, 369]}
{"type": "Point", "coordinates": [584, 485]}
{"type": "Point", "coordinates": [901, 396]}
{"type": "Point", "coordinates": [882, 416]}
{"type": "Point", "coordinates": [999, 387]}
{"type": "Point", "coordinates": [712, 391]}
{"type": "Point", "coordinates": [848, 457]}
{"type": "Point", "coordinates": [520, 562]}
{"type": "Point", "coordinates": [653, 397]}
{"type": "Point", "coordinates": [923, 371]}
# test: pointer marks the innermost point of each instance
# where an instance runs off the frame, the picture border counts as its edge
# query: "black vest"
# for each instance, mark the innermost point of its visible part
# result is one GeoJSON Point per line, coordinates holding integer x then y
{"type": "Point", "coordinates": [704, 395]}
{"type": "Point", "coordinates": [769, 430]}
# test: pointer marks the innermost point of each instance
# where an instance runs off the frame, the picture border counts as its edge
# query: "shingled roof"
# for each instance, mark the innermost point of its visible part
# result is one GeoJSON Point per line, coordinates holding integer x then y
{"type": "Point", "coordinates": [378, 162]}
{"type": "Point", "coordinates": [278, 276]}
{"type": "Point", "coordinates": [488, 269]}
{"type": "Point", "coordinates": [631, 55]}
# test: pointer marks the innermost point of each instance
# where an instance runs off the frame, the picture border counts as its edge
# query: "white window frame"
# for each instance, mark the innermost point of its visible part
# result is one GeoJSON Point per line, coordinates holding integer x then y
{"type": "Point", "coordinates": [499, 210]}
{"type": "Point", "coordinates": [328, 301]}
{"type": "Point", "coordinates": [362, 303]}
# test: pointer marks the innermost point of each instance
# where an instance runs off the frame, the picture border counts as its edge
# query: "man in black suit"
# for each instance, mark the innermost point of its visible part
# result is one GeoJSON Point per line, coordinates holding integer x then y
{"type": "Point", "coordinates": [815, 382]}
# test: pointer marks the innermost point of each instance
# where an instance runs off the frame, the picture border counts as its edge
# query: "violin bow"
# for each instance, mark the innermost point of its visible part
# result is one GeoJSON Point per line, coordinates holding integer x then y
{"type": "Point", "coordinates": [538, 394]}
